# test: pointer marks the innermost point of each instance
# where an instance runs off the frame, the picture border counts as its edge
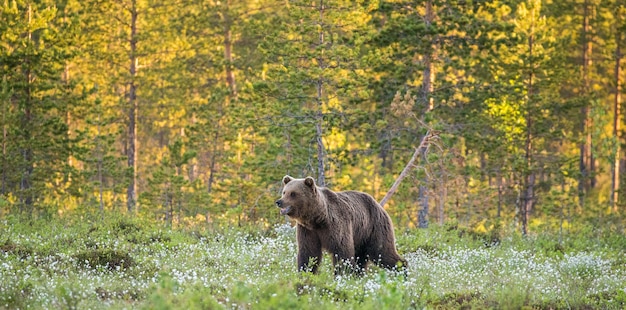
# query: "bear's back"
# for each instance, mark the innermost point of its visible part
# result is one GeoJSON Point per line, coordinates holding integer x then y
{"type": "Point", "coordinates": [348, 198]}
{"type": "Point", "coordinates": [355, 206]}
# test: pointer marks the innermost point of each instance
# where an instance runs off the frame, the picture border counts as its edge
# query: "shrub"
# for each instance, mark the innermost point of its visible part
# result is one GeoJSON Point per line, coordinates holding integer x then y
{"type": "Point", "coordinates": [107, 258]}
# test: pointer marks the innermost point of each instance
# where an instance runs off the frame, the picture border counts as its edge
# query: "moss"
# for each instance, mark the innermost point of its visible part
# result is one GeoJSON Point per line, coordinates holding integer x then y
{"type": "Point", "coordinates": [17, 295]}
{"type": "Point", "coordinates": [473, 300]}
{"type": "Point", "coordinates": [18, 250]}
{"type": "Point", "coordinates": [107, 258]}
{"type": "Point", "coordinates": [123, 294]}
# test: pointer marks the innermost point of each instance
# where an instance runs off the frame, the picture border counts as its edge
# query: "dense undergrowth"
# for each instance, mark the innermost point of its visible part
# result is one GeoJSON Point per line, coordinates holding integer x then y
{"type": "Point", "coordinates": [121, 262]}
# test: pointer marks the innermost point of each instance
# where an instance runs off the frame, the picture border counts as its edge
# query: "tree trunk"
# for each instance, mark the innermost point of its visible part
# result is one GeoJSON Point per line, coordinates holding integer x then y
{"type": "Point", "coordinates": [228, 54]}
{"type": "Point", "coordinates": [529, 173]}
{"type": "Point", "coordinates": [587, 180]}
{"type": "Point", "coordinates": [442, 200]}
{"type": "Point", "coordinates": [191, 170]}
{"type": "Point", "coordinates": [169, 213]}
{"type": "Point", "coordinates": [26, 196]}
{"type": "Point", "coordinates": [499, 184]}
{"type": "Point", "coordinates": [321, 178]}
{"type": "Point", "coordinates": [68, 120]}
{"type": "Point", "coordinates": [429, 57]}
{"type": "Point", "coordinates": [529, 194]}
{"type": "Point", "coordinates": [100, 159]}
{"type": "Point", "coordinates": [229, 74]}
{"type": "Point", "coordinates": [319, 122]}
{"type": "Point", "coordinates": [5, 133]}
{"type": "Point", "coordinates": [427, 89]}
{"type": "Point", "coordinates": [419, 151]}
{"type": "Point", "coordinates": [422, 214]}
{"type": "Point", "coordinates": [213, 160]}
{"type": "Point", "coordinates": [177, 196]}
{"type": "Point", "coordinates": [131, 152]}
{"type": "Point", "coordinates": [616, 124]}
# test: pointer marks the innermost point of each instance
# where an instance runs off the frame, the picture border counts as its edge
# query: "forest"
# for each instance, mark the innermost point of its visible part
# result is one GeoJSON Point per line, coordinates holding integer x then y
{"type": "Point", "coordinates": [144, 143]}
{"type": "Point", "coordinates": [191, 112]}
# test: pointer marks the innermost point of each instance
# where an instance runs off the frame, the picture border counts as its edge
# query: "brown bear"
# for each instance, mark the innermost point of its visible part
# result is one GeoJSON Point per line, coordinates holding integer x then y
{"type": "Point", "coordinates": [350, 225]}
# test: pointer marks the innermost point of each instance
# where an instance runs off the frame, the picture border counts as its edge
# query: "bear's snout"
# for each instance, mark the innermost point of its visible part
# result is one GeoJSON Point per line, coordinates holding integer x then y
{"type": "Point", "coordinates": [284, 210]}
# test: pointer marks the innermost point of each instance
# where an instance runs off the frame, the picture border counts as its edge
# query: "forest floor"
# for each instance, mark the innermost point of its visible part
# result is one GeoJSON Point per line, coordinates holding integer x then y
{"type": "Point", "coordinates": [129, 263]}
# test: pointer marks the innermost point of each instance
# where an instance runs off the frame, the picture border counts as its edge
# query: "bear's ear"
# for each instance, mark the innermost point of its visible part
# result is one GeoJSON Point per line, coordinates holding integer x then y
{"type": "Point", "coordinates": [286, 179]}
{"type": "Point", "coordinates": [309, 182]}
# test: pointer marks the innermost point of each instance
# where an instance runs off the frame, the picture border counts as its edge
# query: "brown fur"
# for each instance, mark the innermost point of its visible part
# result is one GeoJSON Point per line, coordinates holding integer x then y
{"type": "Point", "coordinates": [350, 225]}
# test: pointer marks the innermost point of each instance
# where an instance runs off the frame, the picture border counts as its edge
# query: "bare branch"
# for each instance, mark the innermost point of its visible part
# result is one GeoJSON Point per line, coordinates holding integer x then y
{"type": "Point", "coordinates": [421, 149]}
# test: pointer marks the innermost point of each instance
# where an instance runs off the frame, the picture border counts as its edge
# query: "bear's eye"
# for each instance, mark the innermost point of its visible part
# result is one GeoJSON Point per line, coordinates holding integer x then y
{"type": "Point", "coordinates": [293, 194]}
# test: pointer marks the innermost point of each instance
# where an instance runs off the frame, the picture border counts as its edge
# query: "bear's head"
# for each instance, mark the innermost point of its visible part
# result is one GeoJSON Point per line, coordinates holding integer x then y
{"type": "Point", "coordinates": [299, 197]}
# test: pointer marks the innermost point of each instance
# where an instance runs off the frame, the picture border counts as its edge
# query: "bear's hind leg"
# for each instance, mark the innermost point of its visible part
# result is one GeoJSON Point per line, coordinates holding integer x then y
{"type": "Point", "coordinates": [391, 261]}
{"type": "Point", "coordinates": [361, 263]}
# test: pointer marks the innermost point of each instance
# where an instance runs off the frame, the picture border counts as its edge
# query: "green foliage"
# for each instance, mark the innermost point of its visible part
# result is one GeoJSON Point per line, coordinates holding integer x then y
{"type": "Point", "coordinates": [35, 99]}
{"type": "Point", "coordinates": [106, 258]}
{"type": "Point", "coordinates": [232, 95]}
{"type": "Point", "coordinates": [449, 267]}
{"type": "Point", "coordinates": [167, 294]}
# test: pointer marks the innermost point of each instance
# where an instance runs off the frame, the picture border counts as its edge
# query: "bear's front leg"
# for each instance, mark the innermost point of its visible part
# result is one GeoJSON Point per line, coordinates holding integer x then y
{"type": "Point", "coordinates": [309, 247]}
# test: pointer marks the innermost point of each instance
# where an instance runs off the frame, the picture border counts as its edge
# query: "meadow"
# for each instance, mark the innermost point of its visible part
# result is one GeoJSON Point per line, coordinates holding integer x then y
{"type": "Point", "coordinates": [123, 263]}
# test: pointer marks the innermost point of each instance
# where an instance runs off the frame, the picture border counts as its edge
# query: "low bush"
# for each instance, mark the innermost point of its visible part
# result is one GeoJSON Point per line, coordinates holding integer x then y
{"type": "Point", "coordinates": [122, 263]}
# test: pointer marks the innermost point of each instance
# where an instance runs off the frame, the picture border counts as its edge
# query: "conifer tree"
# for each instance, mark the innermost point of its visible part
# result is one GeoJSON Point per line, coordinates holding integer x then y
{"type": "Point", "coordinates": [37, 44]}
{"type": "Point", "coordinates": [316, 82]}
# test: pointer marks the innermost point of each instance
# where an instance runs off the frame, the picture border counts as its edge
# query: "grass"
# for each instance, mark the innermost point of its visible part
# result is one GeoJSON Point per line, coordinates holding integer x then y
{"type": "Point", "coordinates": [129, 263]}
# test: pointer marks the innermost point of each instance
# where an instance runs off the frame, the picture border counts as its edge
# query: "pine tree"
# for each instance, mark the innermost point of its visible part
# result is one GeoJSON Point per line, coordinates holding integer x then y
{"type": "Point", "coordinates": [316, 82]}
{"type": "Point", "coordinates": [529, 67]}
{"type": "Point", "coordinates": [424, 49]}
{"type": "Point", "coordinates": [36, 99]}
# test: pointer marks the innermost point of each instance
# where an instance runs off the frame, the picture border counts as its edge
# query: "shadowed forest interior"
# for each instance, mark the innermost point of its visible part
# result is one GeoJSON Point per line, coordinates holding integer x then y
{"type": "Point", "coordinates": [191, 112]}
